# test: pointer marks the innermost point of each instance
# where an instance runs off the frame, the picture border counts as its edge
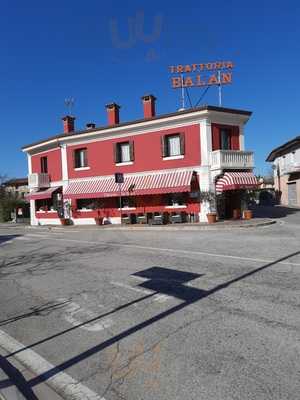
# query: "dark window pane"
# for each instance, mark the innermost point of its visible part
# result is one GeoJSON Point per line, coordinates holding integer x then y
{"type": "Point", "coordinates": [225, 139]}
{"type": "Point", "coordinates": [80, 158]}
{"type": "Point", "coordinates": [44, 165]}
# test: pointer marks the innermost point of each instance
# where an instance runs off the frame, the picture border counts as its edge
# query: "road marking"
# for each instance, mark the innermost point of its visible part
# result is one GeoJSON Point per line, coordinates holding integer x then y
{"type": "Point", "coordinates": [161, 249]}
{"type": "Point", "coordinates": [74, 308]}
{"type": "Point", "coordinates": [161, 298]}
{"type": "Point", "coordinates": [62, 383]}
{"type": "Point", "coordinates": [43, 236]}
{"type": "Point", "coordinates": [135, 289]}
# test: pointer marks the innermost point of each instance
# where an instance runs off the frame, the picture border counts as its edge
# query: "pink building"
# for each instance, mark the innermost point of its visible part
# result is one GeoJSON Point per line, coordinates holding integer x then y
{"type": "Point", "coordinates": [166, 160]}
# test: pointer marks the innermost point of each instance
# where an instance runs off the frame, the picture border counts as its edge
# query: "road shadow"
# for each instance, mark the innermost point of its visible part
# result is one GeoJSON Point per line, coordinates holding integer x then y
{"type": "Point", "coordinates": [15, 378]}
{"type": "Point", "coordinates": [273, 211]}
{"type": "Point", "coordinates": [7, 238]}
{"type": "Point", "coordinates": [42, 310]}
{"type": "Point", "coordinates": [160, 280]}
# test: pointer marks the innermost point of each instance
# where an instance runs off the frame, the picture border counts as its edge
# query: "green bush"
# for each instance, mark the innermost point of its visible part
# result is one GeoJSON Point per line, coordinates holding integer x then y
{"type": "Point", "coordinates": [7, 206]}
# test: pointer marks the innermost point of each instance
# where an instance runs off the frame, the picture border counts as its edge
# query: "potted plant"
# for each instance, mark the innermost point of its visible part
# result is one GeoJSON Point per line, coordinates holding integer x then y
{"type": "Point", "coordinates": [245, 199]}
{"type": "Point", "coordinates": [208, 196]}
{"type": "Point", "coordinates": [98, 205]}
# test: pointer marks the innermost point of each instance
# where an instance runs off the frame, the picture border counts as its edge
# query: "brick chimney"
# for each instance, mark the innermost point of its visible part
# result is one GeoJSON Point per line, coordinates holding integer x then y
{"type": "Point", "coordinates": [113, 113]}
{"type": "Point", "coordinates": [149, 105]}
{"type": "Point", "coordinates": [68, 121]}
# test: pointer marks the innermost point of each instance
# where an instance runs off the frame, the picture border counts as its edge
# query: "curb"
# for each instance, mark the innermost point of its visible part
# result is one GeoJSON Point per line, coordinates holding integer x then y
{"type": "Point", "coordinates": [194, 228]}
{"type": "Point", "coordinates": [18, 390]}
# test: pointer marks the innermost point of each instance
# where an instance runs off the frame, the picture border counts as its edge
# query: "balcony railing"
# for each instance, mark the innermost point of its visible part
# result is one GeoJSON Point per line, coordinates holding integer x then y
{"type": "Point", "coordinates": [291, 168]}
{"type": "Point", "coordinates": [231, 159]}
{"type": "Point", "coordinates": [37, 181]}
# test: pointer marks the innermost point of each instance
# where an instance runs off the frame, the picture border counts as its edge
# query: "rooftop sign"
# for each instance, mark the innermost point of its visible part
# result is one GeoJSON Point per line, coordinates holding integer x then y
{"type": "Point", "coordinates": [212, 73]}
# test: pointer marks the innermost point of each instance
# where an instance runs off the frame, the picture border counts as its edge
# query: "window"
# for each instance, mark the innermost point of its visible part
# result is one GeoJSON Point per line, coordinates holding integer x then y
{"type": "Point", "coordinates": [86, 204]}
{"type": "Point", "coordinates": [225, 139]}
{"type": "Point", "coordinates": [80, 158]}
{"type": "Point", "coordinates": [173, 145]}
{"type": "Point", "coordinates": [44, 165]}
{"type": "Point", "coordinates": [124, 152]}
{"type": "Point", "coordinates": [176, 199]}
{"type": "Point", "coordinates": [128, 202]}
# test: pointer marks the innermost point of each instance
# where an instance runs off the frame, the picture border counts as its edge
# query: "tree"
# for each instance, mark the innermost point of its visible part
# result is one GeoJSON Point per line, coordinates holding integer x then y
{"type": "Point", "coordinates": [8, 201]}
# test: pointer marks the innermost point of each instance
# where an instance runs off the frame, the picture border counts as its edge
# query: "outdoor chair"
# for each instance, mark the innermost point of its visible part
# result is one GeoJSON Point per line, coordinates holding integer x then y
{"type": "Point", "coordinates": [141, 219]}
{"type": "Point", "coordinates": [125, 219]}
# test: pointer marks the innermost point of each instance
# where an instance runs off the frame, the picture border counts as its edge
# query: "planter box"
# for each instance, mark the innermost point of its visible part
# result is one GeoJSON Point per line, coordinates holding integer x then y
{"type": "Point", "coordinates": [211, 218]}
{"type": "Point", "coordinates": [247, 214]}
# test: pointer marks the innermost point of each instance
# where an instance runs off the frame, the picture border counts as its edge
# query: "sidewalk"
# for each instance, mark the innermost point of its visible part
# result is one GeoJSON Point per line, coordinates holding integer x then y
{"type": "Point", "coordinates": [13, 382]}
{"type": "Point", "coordinates": [227, 224]}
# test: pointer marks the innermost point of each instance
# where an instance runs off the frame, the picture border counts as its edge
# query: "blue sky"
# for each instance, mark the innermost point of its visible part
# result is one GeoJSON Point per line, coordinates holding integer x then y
{"type": "Point", "coordinates": [59, 49]}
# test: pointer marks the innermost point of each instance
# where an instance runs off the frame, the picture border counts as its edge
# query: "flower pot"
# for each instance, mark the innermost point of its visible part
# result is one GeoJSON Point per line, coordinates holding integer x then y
{"type": "Point", "coordinates": [247, 214]}
{"type": "Point", "coordinates": [211, 218]}
{"type": "Point", "coordinates": [99, 221]}
{"type": "Point", "coordinates": [236, 213]}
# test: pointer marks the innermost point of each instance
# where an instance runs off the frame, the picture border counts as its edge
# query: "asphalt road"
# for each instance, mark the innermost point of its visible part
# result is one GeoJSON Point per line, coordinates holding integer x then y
{"type": "Point", "coordinates": [155, 315]}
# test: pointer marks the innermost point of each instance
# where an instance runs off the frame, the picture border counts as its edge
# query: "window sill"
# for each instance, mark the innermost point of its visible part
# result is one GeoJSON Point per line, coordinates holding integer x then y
{"type": "Point", "coordinates": [127, 208]}
{"type": "Point", "coordinates": [120, 164]}
{"type": "Point", "coordinates": [180, 156]}
{"type": "Point", "coordinates": [172, 207]}
{"type": "Point", "coordinates": [82, 168]}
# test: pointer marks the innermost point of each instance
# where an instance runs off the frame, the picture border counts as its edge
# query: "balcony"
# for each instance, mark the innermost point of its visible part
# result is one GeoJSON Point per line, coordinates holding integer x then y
{"type": "Point", "coordinates": [37, 181]}
{"type": "Point", "coordinates": [231, 159]}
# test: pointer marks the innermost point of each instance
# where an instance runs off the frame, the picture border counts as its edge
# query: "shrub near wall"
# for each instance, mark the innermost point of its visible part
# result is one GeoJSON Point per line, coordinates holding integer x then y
{"type": "Point", "coordinates": [7, 206]}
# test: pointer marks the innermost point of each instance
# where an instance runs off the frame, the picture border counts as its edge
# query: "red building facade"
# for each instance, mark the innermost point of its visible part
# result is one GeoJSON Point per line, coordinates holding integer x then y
{"type": "Point", "coordinates": [166, 162]}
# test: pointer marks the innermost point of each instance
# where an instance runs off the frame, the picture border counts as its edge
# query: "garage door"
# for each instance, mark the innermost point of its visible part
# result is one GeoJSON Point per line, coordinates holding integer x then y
{"type": "Point", "coordinates": [292, 194]}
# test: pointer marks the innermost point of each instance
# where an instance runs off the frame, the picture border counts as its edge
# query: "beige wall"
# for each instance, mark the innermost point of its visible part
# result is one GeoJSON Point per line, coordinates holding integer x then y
{"type": "Point", "coordinates": [284, 189]}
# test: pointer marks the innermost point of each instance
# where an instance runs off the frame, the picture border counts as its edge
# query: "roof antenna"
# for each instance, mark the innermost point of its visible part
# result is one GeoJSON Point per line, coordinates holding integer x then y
{"type": "Point", "coordinates": [69, 103]}
{"type": "Point", "coordinates": [182, 95]}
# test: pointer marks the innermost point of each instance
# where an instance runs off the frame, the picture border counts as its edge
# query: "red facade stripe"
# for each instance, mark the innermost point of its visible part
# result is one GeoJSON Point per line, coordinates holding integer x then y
{"type": "Point", "coordinates": [155, 183]}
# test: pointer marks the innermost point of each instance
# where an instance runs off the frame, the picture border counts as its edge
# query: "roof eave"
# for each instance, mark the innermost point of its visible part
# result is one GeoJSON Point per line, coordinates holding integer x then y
{"type": "Point", "coordinates": [283, 149]}
{"type": "Point", "coordinates": [189, 111]}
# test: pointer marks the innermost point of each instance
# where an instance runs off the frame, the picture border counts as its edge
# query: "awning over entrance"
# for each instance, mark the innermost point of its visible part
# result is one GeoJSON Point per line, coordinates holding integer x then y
{"type": "Point", "coordinates": [236, 181]}
{"type": "Point", "coordinates": [134, 184]}
{"type": "Point", "coordinates": [42, 194]}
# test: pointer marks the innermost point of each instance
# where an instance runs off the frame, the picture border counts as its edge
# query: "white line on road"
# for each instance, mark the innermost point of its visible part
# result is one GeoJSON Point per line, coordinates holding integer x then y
{"type": "Point", "coordinates": [123, 285]}
{"type": "Point", "coordinates": [161, 298]}
{"type": "Point", "coordinates": [161, 249]}
{"type": "Point", "coordinates": [74, 308]}
{"type": "Point", "coordinates": [62, 383]}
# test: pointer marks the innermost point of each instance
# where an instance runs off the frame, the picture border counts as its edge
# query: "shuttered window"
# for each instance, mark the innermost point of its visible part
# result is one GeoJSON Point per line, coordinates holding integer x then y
{"type": "Point", "coordinates": [44, 165]}
{"type": "Point", "coordinates": [173, 145]}
{"type": "Point", "coordinates": [225, 139]}
{"type": "Point", "coordinates": [80, 158]}
{"type": "Point", "coordinates": [124, 152]}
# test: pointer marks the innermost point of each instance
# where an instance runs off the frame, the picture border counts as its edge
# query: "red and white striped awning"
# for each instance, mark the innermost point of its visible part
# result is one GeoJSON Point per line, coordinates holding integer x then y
{"type": "Point", "coordinates": [236, 181]}
{"type": "Point", "coordinates": [134, 184]}
{"type": "Point", "coordinates": [42, 194]}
